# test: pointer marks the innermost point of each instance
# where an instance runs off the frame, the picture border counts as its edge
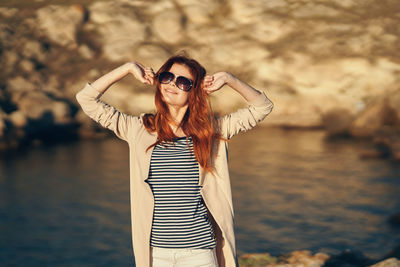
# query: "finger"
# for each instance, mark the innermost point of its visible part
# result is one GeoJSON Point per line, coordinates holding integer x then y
{"type": "Point", "coordinates": [149, 70]}
{"type": "Point", "coordinates": [150, 74]}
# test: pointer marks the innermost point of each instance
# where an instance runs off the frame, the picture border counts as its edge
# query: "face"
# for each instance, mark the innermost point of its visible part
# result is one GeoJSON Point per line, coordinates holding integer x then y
{"type": "Point", "coordinates": [171, 94]}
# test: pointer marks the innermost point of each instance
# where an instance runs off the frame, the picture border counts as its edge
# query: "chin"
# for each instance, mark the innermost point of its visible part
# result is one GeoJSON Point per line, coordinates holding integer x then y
{"type": "Point", "coordinates": [173, 101]}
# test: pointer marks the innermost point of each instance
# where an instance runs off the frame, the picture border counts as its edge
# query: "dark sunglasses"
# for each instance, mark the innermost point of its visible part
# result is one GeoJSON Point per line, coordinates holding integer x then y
{"type": "Point", "coordinates": [183, 83]}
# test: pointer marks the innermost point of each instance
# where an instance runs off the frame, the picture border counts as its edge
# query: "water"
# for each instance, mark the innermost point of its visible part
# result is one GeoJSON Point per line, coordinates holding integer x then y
{"type": "Point", "coordinates": [68, 204]}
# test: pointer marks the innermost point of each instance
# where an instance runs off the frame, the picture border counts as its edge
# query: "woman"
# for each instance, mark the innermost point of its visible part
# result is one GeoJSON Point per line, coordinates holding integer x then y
{"type": "Point", "coordinates": [181, 202]}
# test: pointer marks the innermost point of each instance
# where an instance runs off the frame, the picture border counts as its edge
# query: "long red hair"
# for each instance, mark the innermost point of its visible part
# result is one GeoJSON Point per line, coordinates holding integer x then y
{"type": "Point", "coordinates": [198, 122]}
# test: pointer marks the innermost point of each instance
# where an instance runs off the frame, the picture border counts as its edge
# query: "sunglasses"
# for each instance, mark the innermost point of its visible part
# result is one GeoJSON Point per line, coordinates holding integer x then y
{"type": "Point", "coordinates": [183, 83]}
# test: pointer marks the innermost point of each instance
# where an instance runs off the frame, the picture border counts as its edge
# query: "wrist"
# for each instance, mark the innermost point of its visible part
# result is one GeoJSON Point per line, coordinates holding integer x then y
{"type": "Point", "coordinates": [229, 78]}
{"type": "Point", "coordinates": [129, 67]}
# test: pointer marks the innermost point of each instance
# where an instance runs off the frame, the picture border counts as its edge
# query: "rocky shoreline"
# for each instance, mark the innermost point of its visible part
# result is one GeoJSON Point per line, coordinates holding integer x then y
{"type": "Point", "coordinates": [305, 258]}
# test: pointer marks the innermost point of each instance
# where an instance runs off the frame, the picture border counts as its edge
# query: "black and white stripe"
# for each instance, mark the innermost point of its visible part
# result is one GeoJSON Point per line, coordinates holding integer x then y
{"type": "Point", "coordinates": [180, 217]}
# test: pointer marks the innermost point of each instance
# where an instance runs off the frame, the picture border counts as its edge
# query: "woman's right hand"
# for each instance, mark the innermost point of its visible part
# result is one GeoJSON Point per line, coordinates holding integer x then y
{"type": "Point", "coordinates": [142, 73]}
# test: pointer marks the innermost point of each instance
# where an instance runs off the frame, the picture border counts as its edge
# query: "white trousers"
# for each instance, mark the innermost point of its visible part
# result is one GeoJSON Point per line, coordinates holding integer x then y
{"type": "Point", "coordinates": [182, 257]}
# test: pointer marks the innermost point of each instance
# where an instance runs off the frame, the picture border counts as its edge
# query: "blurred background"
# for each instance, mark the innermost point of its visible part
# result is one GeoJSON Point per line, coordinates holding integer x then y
{"type": "Point", "coordinates": [320, 174]}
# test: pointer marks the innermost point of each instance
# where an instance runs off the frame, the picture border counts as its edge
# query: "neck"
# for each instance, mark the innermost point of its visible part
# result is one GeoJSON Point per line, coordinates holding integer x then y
{"type": "Point", "coordinates": [177, 113]}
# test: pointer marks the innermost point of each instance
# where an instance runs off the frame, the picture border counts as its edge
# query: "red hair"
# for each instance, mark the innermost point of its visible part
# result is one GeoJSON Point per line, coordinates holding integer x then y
{"type": "Point", "coordinates": [198, 122]}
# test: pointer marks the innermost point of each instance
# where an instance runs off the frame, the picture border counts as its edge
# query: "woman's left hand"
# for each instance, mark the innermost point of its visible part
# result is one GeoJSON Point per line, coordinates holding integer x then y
{"type": "Point", "coordinates": [212, 83]}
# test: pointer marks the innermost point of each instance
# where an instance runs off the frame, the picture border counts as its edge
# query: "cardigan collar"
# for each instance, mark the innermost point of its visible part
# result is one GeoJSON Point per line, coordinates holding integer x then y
{"type": "Point", "coordinates": [150, 139]}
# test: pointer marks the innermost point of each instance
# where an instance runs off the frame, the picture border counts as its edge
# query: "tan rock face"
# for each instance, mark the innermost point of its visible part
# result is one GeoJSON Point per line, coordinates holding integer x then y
{"type": "Point", "coordinates": [392, 262]}
{"type": "Point", "coordinates": [377, 115]}
{"type": "Point", "coordinates": [168, 26]}
{"type": "Point", "coordinates": [60, 24]}
{"type": "Point", "coordinates": [119, 29]}
{"type": "Point", "coordinates": [337, 121]}
{"type": "Point", "coordinates": [301, 258]}
{"type": "Point", "coordinates": [310, 57]}
{"type": "Point", "coordinates": [18, 119]}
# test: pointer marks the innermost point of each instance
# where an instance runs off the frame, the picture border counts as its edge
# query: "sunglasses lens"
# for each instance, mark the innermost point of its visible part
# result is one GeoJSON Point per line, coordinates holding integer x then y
{"type": "Point", "coordinates": [183, 83]}
{"type": "Point", "coordinates": [165, 77]}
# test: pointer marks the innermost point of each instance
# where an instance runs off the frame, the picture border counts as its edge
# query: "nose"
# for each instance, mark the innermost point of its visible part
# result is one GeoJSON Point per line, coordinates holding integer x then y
{"type": "Point", "coordinates": [173, 82]}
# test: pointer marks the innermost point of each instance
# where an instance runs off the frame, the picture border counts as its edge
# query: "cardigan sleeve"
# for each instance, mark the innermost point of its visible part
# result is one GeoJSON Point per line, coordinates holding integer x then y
{"type": "Point", "coordinates": [246, 118]}
{"type": "Point", "coordinates": [104, 114]}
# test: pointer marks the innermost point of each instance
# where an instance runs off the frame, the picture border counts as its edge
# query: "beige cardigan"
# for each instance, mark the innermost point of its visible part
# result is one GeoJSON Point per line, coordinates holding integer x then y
{"type": "Point", "coordinates": [216, 191]}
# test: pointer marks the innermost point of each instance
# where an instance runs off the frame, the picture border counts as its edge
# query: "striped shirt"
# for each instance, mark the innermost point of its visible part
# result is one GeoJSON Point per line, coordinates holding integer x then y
{"type": "Point", "coordinates": [180, 217]}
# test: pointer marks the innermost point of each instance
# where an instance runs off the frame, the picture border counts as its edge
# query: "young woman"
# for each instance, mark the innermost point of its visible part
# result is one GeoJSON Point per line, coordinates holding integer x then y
{"type": "Point", "coordinates": [181, 202]}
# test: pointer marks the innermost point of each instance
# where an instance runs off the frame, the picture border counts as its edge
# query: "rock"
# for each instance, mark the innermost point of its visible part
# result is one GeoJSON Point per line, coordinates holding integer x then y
{"type": "Point", "coordinates": [345, 3]}
{"type": "Point", "coordinates": [230, 50]}
{"type": "Point", "coordinates": [18, 119]}
{"type": "Point", "coordinates": [17, 122]}
{"type": "Point", "coordinates": [198, 12]}
{"type": "Point", "coordinates": [119, 35]}
{"type": "Point", "coordinates": [269, 29]}
{"type": "Point", "coordinates": [3, 125]}
{"type": "Point", "coordinates": [348, 258]}
{"type": "Point", "coordinates": [394, 253]}
{"type": "Point", "coordinates": [305, 258]}
{"type": "Point", "coordinates": [27, 65]}
{"type": "Point", "coordinates": [8, 12]}
{"type": "Point", "coordinates": [392, 262]}
{"type": "Point", "coordinates": [151, 55]}
{"type": "Point", "coordinates": [257, 259]}
{"type": "Point", "coordinates": [211, 35]}
{"type": "Point", "coordinates": [35, 105]}
{"type": "Point", "coordinates": [52, 87]}
{"type": "Point", "coordinates": [60, 23]}
{"type": "Point", "coordinates": [293, 110]}
{"type": "Point", "coordinates": [33, 50]}
{"type": "Point", "coordinates": [376, 115]}
{"type": "Point", "coordinates": [310, 10]}
{"type": "Point", "coordinates": [61, 112]}
{"type": "Point", "coordinates": [9, 60]}
{"type": "Point", "coordinates": [337, 121]}
{"type": "Point", "coordinates": [152, 11]}
{"type": "Point", "coordinates": [19, 84]}
{"type": "Point", "coordinates": [245, 12]}
{"type": "Point", "coordinates": [86, 52]}
{"type": "Point", "coordinates": [168, 26]}
{"type": "Point", "coordinates": [293, 259]}
{"type": "Point", "coordinates": [394, 102]}
{"type": "Point", "coordinates": [276, 4]}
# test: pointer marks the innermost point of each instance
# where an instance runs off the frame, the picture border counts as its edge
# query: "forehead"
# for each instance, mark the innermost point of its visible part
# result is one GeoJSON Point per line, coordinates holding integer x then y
{"type": "Point", "coordinates": [181, 70]}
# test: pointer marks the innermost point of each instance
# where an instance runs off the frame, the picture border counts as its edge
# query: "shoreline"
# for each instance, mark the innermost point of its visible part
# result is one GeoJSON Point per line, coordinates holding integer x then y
{"type": "Point", "coordinates": [306, 258]}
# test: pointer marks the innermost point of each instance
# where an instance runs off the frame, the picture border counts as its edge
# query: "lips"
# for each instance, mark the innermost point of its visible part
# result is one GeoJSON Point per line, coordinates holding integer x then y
{"type": "Point", "coordinates": [170, 91]}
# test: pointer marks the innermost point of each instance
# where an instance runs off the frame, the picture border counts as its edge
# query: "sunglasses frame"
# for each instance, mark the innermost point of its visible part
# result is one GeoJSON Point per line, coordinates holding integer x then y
{"type": "Point", "coordinates": [175, 79]}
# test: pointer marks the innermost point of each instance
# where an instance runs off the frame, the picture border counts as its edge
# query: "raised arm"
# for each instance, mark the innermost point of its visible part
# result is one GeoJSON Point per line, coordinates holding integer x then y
{"type": "Point", "coordinates": [142, 73]}
{"type": "Point", "coordinates": [214, 82]}
{"type": "Point", "coordinates": [243, 119]}
{"type": "Point", "coordinates": [107, 116]}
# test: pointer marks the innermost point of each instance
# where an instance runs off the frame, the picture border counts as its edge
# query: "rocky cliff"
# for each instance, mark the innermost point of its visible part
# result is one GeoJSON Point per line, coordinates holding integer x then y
{"type": "Point", "coordinates": [332, 64]}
